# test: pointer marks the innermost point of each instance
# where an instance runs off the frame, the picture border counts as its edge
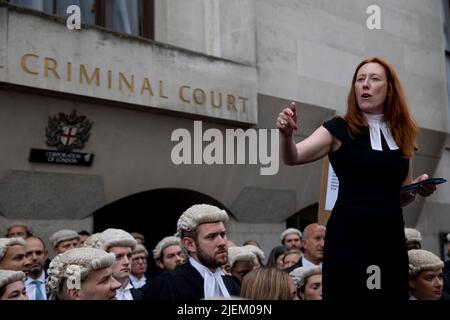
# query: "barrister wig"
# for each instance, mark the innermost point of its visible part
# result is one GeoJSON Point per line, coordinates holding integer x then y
{"type": "Point", "coordinates": [115, 238]}
{"type": "Point", "coordinates": [74, 266]}
{"type": "Point", "coordinates": [200, 214]}
{"type": "Point", "coordinates": [301, 274]}
{"type": "Point", "coordinates": [163, 244]}
{"type": "Point", "coordinates": [9, 276]}
{"type": "Point", "coordinates": [92, 240]}
{"type": "Point", "coordinates": [5, 243]}
{"type": "Point", "coordinates": [63, 235]}
{"type": "Point", "coordinates": [288, 232]}
{"type": "Point", "coordinates": [256, 251]}
{"type": "Point", "coordinates": [396, 111]}
{"type": "Point", "coordinates": [239, 254]}
{"type": "Point", "coordinates": [412, 235]}
{"type": "Point", "coordinates": [423, 260]}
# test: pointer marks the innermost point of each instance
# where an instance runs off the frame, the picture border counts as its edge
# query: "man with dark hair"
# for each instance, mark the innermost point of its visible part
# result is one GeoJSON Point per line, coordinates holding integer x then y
{"type": "Point", "coordinates": [83, 236]}
{"type": "Point", "coordinates": [122, 244]}
{"type": "Point", "coordinates": [202, 231]}
{"type": "Point", "coordinates": [37, 254]}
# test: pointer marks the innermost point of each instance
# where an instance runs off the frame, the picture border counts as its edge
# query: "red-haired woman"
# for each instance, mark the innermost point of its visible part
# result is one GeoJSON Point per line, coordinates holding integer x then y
{"type": "Point", "coordinates": [370, 149]}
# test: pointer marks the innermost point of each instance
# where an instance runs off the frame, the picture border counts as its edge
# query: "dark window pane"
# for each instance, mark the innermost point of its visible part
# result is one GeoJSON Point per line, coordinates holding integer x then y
{"type": "Point", "coordinates": [39, 5]}
{"type": "Point", "coordinates": [123, 16]}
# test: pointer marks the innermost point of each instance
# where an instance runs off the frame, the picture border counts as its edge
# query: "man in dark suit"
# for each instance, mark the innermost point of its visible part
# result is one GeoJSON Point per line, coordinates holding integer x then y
{"type": "Point", "coordinates": [122, 244]}
{"type": "Point", "coordinates": [201, 229]}
{"type": "Point", "coordinates": [37, 254]}
{"type": "Point", "coordinates": [313, 241]}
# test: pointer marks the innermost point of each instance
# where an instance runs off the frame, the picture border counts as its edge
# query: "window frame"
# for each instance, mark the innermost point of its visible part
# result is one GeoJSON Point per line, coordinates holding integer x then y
{"type": "Point", "coordinates": [146, 16]}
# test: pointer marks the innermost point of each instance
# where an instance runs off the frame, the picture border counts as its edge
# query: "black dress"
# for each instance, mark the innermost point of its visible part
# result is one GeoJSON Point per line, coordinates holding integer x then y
{"type": "Point", "coordinates": [366, 227]}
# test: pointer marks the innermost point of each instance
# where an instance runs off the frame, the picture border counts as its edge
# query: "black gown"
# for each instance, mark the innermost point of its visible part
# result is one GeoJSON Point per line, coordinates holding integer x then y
{"type": "Point", "coordinates": [366, 227]}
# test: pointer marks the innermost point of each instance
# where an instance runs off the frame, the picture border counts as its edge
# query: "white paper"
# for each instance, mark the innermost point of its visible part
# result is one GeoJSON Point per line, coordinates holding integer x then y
{"type": "Point", "coordinates": [332, 189]}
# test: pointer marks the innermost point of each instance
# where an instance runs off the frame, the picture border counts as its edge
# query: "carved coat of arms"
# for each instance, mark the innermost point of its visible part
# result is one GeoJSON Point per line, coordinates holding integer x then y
{"type": "Point", "coordinates": [68, 132]}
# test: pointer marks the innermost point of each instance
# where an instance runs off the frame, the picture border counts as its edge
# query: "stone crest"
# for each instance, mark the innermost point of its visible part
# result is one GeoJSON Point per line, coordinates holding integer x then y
{"type": "Point", "coordinates": [68, 132]}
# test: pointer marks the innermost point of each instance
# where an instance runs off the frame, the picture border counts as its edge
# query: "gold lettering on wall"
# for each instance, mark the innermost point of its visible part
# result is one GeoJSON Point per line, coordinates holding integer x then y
{"type": "Point", "coordinates": [161, 90]}
{"type": "Point", "coordinates": [51, 65]}
{"type": "Point", "coordinates": [69, 71]}
{"type": "Point", "coordinates": [244, 104]}
{"type": "Point", "coordinates": [122, 79]}
{"type": "Point", "coordinates": [231, 103]}
{"type": "Point", "coordinates": [181, 93]}
{"type": "Point", "coordinates": [213, 104]}
{"type": "Point", "coordinates": [146, 86]}
{"type": "Point", "coordinates": [95, 76]}
{"type": "Point", "coordinates": [109, 79]}
{"type": "Point", "coordinates": [188, 96]}
{"type": "Point", "coordinates": [24, 65]}
{"type": "Point", "coordinates": [199, 96]}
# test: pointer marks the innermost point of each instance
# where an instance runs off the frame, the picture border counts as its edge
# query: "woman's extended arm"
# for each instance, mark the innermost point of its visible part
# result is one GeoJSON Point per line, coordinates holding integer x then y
{"type": "Point", "coordinates": [316, 146]}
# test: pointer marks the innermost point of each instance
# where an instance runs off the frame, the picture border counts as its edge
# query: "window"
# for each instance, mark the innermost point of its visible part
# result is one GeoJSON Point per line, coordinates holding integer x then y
{"type": "Point", "coordinates": [135, 17]}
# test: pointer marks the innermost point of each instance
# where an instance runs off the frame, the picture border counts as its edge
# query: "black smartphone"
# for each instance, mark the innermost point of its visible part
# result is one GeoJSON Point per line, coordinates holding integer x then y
{"type": "Point", "coordinates": [418, 185]}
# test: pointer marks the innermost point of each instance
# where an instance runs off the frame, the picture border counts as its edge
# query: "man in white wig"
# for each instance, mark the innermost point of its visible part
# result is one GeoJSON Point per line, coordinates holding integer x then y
{"type": "Point", "coordinates": [308, 281]}
{"type": "Point", "coordinates": [202, 231]}
{"type": "Point", "coordinates": [82, 274]}
{"type": "Point", "coordinates": [413, 238]}
{"type": "Point", "coordinates": [122, 244]}
{"type": "Point", "coordinates": [168, 253]}
{"type": "Point", "coordinates": [291, 238]}
{"type": "Point", "coordinates": [425, 275]}
{"type": "Point", "coordinates": [64, 240]}
{"type": "Point", "coordinates": [13, 255]}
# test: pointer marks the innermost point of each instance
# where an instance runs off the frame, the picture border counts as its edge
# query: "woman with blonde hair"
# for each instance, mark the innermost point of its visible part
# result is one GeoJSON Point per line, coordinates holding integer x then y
{"type": "Point", "coordinates": [371, 149]}
{"type": "Point", "coordinates": [268, 284]}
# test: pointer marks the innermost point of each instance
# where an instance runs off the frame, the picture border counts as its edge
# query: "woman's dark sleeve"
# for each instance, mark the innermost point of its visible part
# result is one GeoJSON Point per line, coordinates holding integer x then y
{"type": "Point", "coordinates": [337, 127]}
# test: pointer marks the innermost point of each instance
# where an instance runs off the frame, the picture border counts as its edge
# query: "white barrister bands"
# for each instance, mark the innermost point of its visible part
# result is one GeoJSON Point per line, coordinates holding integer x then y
{"type": "Point", "coordinates": [378, 126]}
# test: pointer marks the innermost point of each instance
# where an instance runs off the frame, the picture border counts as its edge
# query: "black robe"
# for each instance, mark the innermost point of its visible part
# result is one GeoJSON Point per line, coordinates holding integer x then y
{"type": "Point", "coordinates": [184, 283]}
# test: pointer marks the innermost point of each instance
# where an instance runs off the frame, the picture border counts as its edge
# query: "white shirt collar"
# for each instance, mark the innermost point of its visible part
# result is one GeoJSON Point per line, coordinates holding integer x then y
{"type": "Point", "coordinates": [378, 126]}
{"type": "Point", "coordinates": [307, 263]}
{"type": "Point", "coordinates": [41, 278]}
{"type": "Point", "coordinates": [31, 288]}
{"type": "Point", "coordinates": [124, 293]}
{"type": "Point", "coordinates": [138, 282]}
{"type": "Point", "coordinates": [213, 284]}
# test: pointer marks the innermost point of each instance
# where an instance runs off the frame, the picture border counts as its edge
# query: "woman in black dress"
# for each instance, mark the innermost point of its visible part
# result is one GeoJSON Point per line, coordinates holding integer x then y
{"type": "Point", "coordinates": [370, 149]}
